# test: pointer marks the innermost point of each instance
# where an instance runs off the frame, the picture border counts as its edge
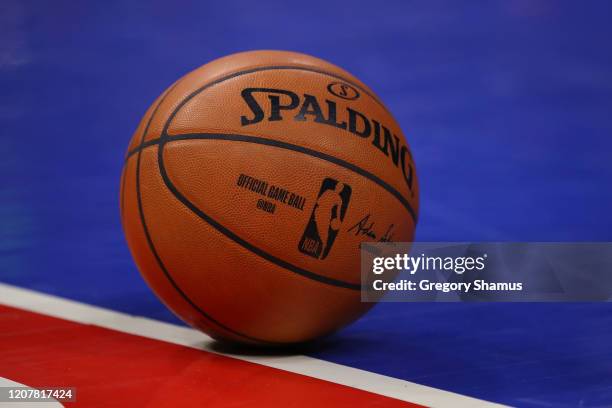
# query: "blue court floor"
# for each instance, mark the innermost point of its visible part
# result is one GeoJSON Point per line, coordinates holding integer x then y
{"type": "Point", "coordinates": [507, 106]}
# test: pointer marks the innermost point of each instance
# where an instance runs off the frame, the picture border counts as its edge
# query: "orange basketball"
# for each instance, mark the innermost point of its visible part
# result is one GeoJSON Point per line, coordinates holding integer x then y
{"type": "Point", "coordinates": [248, 187]}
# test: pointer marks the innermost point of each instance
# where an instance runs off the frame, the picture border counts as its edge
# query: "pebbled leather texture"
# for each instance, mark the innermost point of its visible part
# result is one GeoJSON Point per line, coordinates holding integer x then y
{"type": "Point", "coordinates": [251, 232]}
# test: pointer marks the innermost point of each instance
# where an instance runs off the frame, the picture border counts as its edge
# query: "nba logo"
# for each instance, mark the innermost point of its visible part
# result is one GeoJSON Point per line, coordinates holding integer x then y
{"type": "Point", "coordinates": [326, 218]}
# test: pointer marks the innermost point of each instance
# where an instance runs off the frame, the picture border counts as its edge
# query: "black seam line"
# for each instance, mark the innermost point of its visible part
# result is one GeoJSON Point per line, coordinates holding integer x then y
{"type": "Point", "coordinates": [292, 147]}
{"type": "Point", "coordinates": [142, 146]}
{"type": "Point", "coordinates": [154, 251]}
{"type": "Point", "coordinates": [245, 244]}
{"type": "Point", "coordinates": [250, 71]}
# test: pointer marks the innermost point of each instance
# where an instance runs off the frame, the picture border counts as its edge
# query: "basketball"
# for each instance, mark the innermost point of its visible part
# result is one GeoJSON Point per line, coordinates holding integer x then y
{"type": "Point", "coordinates": [248, 187]}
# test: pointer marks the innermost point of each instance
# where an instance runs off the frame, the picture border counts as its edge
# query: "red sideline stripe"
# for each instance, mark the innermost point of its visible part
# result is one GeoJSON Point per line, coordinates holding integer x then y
{"type": "Point", "coordinates": [111, 368]}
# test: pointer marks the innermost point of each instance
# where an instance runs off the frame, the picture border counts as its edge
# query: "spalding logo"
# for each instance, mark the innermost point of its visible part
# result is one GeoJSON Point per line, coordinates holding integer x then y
{"type": "Point", "coordinates": [283, 104]}
{"type": "Point", "coordinates": [342, 90]}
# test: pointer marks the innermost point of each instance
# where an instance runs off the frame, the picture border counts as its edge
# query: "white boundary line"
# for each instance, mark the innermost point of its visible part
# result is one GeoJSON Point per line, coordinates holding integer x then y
{"type": "Point", "coordinates": [364, 380]}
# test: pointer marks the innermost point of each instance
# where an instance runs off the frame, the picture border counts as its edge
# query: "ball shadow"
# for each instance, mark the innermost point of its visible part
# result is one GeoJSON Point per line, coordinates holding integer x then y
{"type": "Point", "coordinates": [326, 344]}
